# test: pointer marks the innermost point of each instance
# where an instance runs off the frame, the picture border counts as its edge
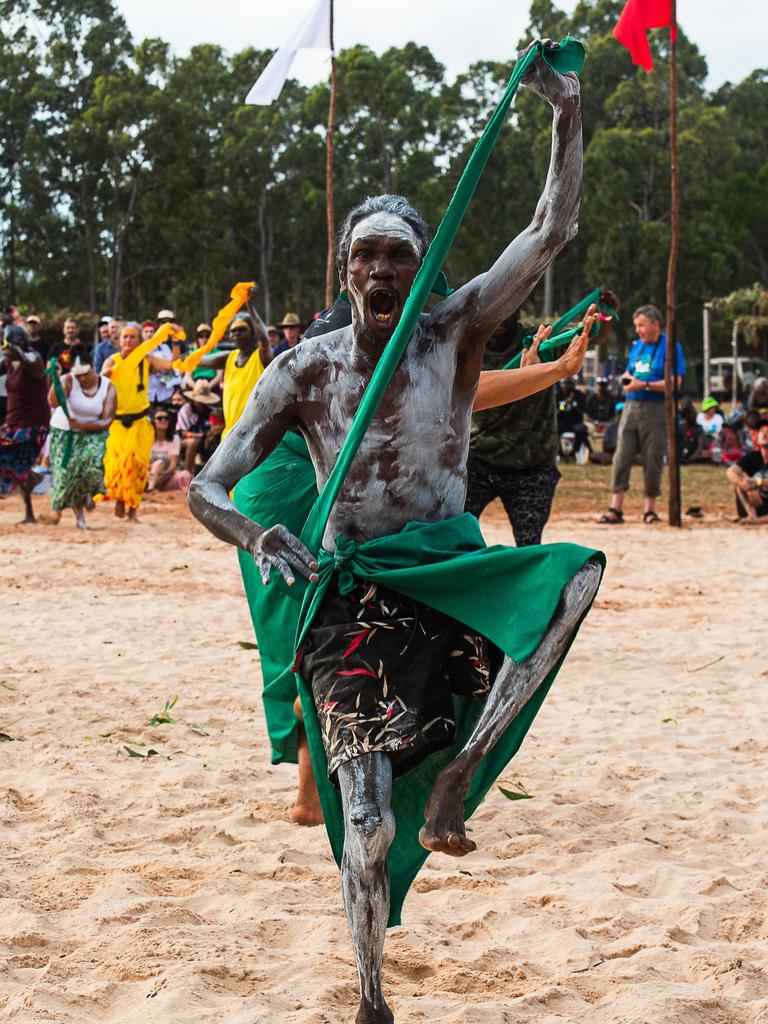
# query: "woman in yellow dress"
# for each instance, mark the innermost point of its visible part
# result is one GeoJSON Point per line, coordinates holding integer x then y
{"type": "Point", "coordinates": [126, 462]}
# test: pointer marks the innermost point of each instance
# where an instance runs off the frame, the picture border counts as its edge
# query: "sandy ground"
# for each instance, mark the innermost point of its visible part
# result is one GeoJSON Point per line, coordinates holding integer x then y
{"type": "Point", "coordinates": [172, 888]}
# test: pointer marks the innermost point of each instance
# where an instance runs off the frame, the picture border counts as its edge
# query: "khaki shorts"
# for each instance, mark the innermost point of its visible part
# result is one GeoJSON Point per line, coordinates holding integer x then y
{"type": "Point", "coordinates": [643, 432]}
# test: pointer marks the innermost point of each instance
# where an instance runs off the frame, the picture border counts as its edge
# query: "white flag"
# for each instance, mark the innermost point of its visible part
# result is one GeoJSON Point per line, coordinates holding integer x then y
{"type": "Point", "coordinates": [314, 33]}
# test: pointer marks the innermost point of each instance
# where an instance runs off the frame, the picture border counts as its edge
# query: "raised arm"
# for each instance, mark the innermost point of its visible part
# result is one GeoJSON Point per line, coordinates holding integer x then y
{"type": "Point", "coordinates": [270, 411]}
{"type": "Point", "coordinates": [492, 297]}
{"type": "Point", "coordinates": [259, 326]}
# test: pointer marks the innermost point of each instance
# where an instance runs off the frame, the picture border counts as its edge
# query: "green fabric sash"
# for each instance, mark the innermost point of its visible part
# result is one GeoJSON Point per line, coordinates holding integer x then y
{"type": "Point", "coordinates": [52, 370]}
{"type": "Point", "coordinates": [280, 490]}
{"type": "Point", "coordinates": [564, 57]}
{"type": "Point", "coordinates": [509, 595]}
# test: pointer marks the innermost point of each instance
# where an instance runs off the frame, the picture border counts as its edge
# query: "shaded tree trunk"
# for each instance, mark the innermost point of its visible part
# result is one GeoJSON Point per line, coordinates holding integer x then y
{"type": "Point", "coordinates": [265, 255]}
{"type": "Point", "coordinates": [90, 250]}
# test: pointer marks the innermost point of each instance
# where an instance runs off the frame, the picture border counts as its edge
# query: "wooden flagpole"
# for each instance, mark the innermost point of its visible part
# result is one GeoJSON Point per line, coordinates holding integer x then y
{"type": "Point", "coordinates": [670, 365]}
{"type": "Point", "coordinates": [330, 263]}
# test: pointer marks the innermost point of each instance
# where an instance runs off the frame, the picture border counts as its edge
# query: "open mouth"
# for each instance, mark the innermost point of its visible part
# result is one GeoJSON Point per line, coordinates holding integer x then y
{"type": "Point", "coordinates": [382, 305]}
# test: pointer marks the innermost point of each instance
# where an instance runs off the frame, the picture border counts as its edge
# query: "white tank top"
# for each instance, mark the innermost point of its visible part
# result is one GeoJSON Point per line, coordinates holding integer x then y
{"type": "Point", "coordinates": [86, 408]}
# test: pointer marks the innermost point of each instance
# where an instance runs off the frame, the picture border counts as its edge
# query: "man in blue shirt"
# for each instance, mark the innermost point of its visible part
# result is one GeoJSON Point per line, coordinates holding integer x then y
{"type": "Point", "coordinates": [643, 429]}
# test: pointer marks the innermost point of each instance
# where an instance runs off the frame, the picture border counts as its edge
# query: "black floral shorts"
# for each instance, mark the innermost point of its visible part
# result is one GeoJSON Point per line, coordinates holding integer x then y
{"type": "Point", "coordinates": [382, 669]}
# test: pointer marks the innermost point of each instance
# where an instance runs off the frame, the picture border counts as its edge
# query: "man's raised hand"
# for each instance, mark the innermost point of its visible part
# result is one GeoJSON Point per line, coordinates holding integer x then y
{"type": "Point", "coordinates": [279, 548]}
{"type": "Point", "coordinates": [545, 81]}
{"type": "Point", "coordinates": [572, 360]}
{"type": "Point", "coordinates": [530, 356]}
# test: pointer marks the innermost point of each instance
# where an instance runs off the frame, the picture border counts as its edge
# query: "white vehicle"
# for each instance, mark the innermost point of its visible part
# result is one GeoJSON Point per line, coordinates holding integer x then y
{"type": "Point", "coordinates": [749, 369]}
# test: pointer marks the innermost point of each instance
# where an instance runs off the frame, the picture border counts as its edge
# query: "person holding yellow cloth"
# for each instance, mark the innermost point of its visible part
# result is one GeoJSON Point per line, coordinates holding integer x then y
{"type": "Point", "coordinates": [126, 461]}
{"type": "Point", "coordinates": [244, 364]}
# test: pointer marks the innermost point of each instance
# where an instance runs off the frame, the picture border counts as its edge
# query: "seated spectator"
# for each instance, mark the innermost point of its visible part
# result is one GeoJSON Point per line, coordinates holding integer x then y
{"type": "Point", "coordinates": [750, 478]}
{"type": "Point", "coordinates": [733, 441]}
{"type": "Point", "coordinates": [758, 398]}
{"type": "Point", "coordinates": [600, 405]}
{"type": "Point", "coordinates": [164, 458]}
{"type": "Point", "coordinates": [710, 419]}
{"type": "Point", "coordinates": [753, 422]}
{"type": "Point", "coordinates": [192, 421]}
{"type": "Point", "coordinates": [212, 438]}
{"type": "Point", "coordinates": [691, 436]}
{"type": "Point", "coordinates": [571, 404]}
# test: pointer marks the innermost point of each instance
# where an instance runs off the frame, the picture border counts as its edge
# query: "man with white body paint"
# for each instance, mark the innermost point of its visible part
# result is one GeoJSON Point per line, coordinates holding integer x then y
{"type": "Point", "coordinates": [411, 466]}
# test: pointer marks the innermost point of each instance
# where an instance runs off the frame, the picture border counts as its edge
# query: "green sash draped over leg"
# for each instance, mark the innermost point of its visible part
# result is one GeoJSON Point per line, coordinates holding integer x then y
{"type": "Point", "coordinates": [509, 595]}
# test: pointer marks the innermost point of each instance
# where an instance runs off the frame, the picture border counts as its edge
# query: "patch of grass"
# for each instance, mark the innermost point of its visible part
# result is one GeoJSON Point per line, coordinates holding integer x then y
{"type": "Point", "coordinates": [519, 792]}
{"type": "Point", "coordinates": [164, 718]}
{"type": "Point", "coordinates": [587, 490]}
{"type": "Point", "coordinates": [137, 753]}
{"type": "Point", "coordinates": [247, 645]}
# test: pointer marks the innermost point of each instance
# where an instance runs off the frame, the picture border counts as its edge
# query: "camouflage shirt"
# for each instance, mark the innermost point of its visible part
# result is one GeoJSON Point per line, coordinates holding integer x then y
{"type": "Point", "coordinates": [520, 435]}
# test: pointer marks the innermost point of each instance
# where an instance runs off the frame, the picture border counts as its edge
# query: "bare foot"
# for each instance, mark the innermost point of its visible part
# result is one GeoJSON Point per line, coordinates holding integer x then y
{"type": "Point", "coordinates": [306, 810]}
{"type": "Point", "coordinates": [443, 830]}
{"type": "Point", "coordinates": [133, 515]}
{"type": "Point", "coordinates": [50, 518]}
{"type": "Point", "coordinates": [370, 1014]}
{"type": "Point", "coordinates": [80, 517]}
{"type": "Point", "coordinates": [119, 509]}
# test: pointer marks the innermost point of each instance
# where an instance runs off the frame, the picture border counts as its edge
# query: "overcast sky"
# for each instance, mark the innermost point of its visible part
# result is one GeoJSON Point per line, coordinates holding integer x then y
{"type": "Point", "coordinates": [733, 37]}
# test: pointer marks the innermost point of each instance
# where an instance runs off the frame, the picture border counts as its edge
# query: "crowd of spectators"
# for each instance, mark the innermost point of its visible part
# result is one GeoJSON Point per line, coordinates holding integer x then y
{"type": "Point", "coordinates": [186, 410]}
{"type": "Point", "coordinates": [588, 420]}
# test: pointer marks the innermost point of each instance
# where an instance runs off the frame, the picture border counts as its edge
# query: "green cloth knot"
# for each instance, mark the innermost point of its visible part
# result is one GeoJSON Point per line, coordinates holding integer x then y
{"type": "Point", "coordinates": [345, 551]}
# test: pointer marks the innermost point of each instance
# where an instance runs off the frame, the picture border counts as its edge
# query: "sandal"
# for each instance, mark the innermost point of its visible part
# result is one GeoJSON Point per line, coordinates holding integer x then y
{"type": "Point", "coordinates": [650, 517]}
{"type": "Point", "coordinates": [613, 517]}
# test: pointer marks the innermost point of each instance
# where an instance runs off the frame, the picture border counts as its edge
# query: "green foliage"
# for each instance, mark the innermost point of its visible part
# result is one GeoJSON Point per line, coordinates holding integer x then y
{"type": "Point", "coordinates": [133, 178]}
{"type": "Point", "coordinates": [518, 792]}
{"type": "Point", "coordinates": [164, 717]}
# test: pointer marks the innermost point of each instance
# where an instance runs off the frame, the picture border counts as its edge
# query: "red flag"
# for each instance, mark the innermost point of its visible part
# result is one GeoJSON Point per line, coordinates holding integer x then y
{"type": "Point", "coordinates": [634, 21]}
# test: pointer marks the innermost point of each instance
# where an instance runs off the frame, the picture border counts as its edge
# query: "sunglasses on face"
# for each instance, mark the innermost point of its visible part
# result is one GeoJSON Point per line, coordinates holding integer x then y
{"type": "Point", "coordinates": [239, 330]}
{"type": "Point", "coordinates": [203, 334]}
{"type": "Point", "coordinates": [161, 419]}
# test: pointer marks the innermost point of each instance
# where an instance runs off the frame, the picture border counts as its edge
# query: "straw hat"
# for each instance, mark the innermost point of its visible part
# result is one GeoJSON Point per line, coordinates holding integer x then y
{"type": "Point", "coordinates": [201, 392]}
{"type": "Point", "coordinates": [290, 320]}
